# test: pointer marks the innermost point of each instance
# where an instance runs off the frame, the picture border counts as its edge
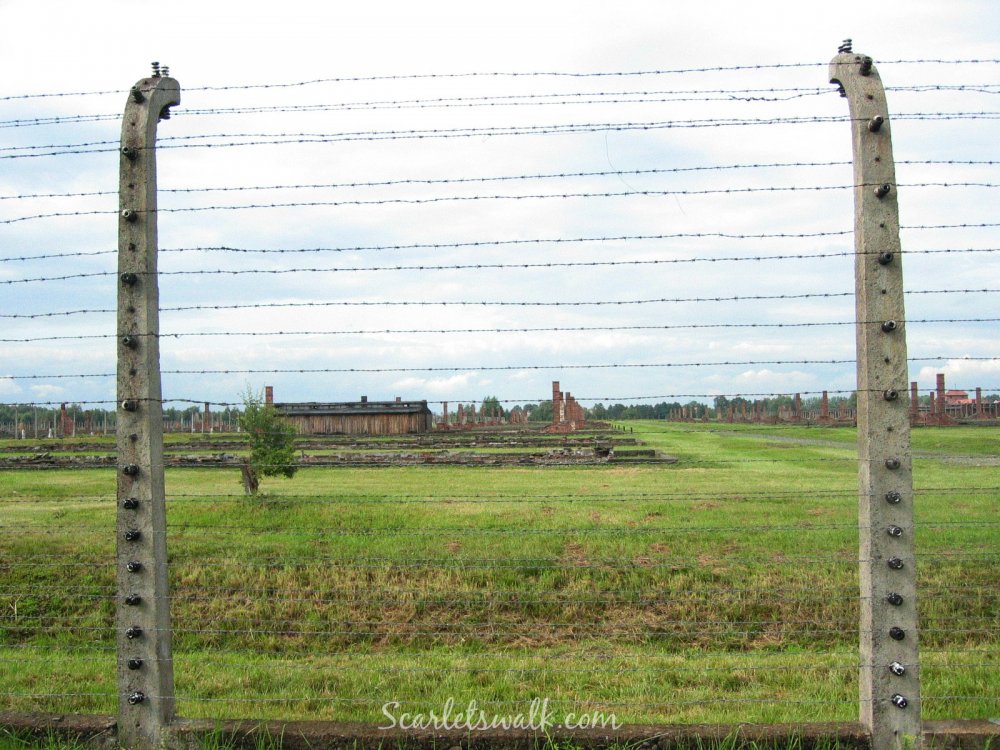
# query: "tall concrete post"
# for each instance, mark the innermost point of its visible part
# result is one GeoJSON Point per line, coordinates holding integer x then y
{"type": "Point", "coordinates": [145, 666]}
{"type": "Point", "coordinates": [889, 684]}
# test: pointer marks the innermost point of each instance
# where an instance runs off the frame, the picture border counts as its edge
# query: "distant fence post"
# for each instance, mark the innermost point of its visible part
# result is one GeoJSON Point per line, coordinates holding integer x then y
{"type": "Point", "coordinates": [890, 684]}
{"type": "Point", "coordinates": [142, 622]}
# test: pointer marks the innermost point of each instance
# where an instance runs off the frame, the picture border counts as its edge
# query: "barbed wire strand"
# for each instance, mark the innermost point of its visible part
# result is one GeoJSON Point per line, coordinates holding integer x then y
{"type": "Point", "coordinates": [773, 94]}
{"type": "Point", "coordinates": [548, 240]}
{"type": "Point", "coordinates": [502, 178]}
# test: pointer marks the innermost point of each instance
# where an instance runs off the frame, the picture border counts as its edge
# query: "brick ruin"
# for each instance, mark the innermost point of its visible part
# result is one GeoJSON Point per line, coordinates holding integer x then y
{"type": "Point", "coordinates": [467, 418]}
{"type": "Point", "coordinates": [948, 407]}
{"type": "Point", "coordinates": [760, 412]}
{"type": "Point", "coordinates": [944, 407]}
{"type": "Point", "coordinates": [67, 425]}
{"type": "Point", "coordinates": [567, 414]}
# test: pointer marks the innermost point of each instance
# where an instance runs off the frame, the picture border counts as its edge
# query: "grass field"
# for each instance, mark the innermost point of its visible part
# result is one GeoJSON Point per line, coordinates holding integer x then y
{"type": "Point", "coordinates": [722, 588]}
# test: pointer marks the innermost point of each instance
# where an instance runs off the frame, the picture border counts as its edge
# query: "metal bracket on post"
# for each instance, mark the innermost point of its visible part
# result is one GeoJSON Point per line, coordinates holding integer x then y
{"type": "Point", "coordinates": [142, 622]}
{"type": "Point", "coordinates": [890, 675]}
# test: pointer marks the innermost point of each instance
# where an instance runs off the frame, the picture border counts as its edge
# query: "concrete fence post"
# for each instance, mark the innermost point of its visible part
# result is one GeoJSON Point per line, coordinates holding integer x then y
{"type": "Point", "coordinates": [142, 622]}
{"type": "Point", "coordinates": [889, 685]}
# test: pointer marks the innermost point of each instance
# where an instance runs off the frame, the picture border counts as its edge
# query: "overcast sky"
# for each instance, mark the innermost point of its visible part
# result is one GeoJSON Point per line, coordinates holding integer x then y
{"type": "Point", "coordinates": [404, 93]}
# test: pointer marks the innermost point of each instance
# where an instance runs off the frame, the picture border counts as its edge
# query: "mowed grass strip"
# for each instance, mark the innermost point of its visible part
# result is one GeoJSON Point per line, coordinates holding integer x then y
{"type": "Point", "coordinates": [639, 685]}
{"type": "Point", "coordinates": [667, 592]}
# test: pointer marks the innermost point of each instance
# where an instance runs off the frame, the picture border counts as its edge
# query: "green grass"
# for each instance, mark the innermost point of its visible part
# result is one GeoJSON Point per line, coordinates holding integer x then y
{"type": "Point", "coordinates": [260, 738]}
{"type": "Point", "coordinates": [963, 440]}
{"type": "Point", "coordinates": [722, 588]}
{"type": "Point", "coordinates": [10, 740]}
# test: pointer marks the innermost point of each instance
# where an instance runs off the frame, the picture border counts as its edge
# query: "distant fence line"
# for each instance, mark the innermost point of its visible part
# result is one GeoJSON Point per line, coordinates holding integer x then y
{"type": "Point", "coordinates": [52, 424]}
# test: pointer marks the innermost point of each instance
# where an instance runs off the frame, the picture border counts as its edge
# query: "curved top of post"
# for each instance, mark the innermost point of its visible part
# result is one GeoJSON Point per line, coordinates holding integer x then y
{"type": "Point", "coordinates": [858, 79]}
{"type": "Point", "coordinates": [151, 96]}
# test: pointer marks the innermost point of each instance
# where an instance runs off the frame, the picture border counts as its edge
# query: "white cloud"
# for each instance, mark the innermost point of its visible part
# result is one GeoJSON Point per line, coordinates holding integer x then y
{"type": "Point", "coordinates": [9, 387]}
{"type": "Point", "coordinates": [45, 392]}
{"type": "Point", "coordinates": [438, 386]}
{"type": "Point", "coordinates": [780, 381]}
{"type": "Point", "coordinates": [963, 373]}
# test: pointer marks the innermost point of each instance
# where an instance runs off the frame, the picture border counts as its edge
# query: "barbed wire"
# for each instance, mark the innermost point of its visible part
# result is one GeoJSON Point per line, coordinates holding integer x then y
{"type": "Point", "coordinates": [280, 663]}
{"type": "Point", "coordinates": [378, 702]}
{"type": "Point", "coordinates": [484, 631]}
{"type": "Point", "coordinates": [499, 101]}
{"type": "Point", "coordinates": [534, 399]}
{"type": "Point", "coordinates": [507, 599]}
{"type": "Point", "coordinates": [500, 178]}
{"type": "Point", "coordinates": [773, 94]}
{"type": "Point", "coordinates": [374, 562]}
{"type": "Point", "coordinates": [276, 663]}
{"type": "Point", "coordinates": [510, 74]}
{"type": "Point", "coordinates": [292, 138]}
{"type": "Point", "coordinates": [391, 459]}
{"type": "Point", "coordinates": [224, 530]}
{"type": "Point", "coordinates": [333, 658]}
{"type": "Point", "coordinates": [283, 626]}
{"type": "Point", "coordinates": [631, 193]}
{"type": "Point", "coordinates": [393, 531]}
{"type": "Point", "coordinates": [403, 497]}
{"type": "Point", "coordinates": [475, 266]}
{"type": "Point", "coordinates": [517, 599]}
{"type": "Point", "coordinates": [547, 240]}
{"type": "Point", "coordinates": [708, 591]}
{"type": "Point", "coordinates": [527, 329]}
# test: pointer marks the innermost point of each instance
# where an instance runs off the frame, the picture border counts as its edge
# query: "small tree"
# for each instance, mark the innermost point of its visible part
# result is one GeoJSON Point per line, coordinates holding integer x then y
{"type": "Point", "coordinates": [541, 412]}
{"type": "Point", "coordinates": [272, 442]}
{"type": "Point", "coordinates": [491, 407]}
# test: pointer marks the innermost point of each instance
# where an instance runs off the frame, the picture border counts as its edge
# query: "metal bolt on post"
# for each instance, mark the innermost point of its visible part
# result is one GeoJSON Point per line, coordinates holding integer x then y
{"type": "Point", "coordinates": [890, 675]}
{"type": "Point", "coordinates": [142, 622]}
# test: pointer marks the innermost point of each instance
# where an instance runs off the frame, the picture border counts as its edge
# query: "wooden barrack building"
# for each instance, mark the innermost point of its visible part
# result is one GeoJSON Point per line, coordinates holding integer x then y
{"type": "Point", "coordinates": [363, 417]}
